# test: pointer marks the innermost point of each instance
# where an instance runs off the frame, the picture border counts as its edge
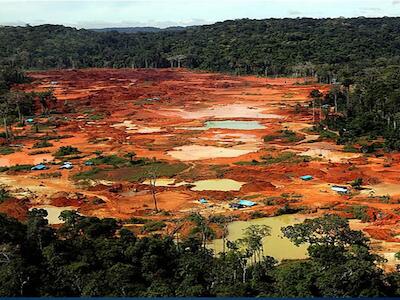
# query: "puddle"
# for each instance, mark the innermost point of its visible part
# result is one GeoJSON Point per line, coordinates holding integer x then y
{"type": "Point", "coordinates": [54, 212]}
{"type": "Point", "coordinates": [223, 185]}
{"type": "Point", "coordinates": [382, 189]}
{"type": "Point", "coordinates": [129, 126]}
{"type": "Point", "coordinates": [231, 124]}
{"type": "Point", "coordinates": [166, 182]}
{"type": "Point", "coordinates": [334, 156]}
{"type": "Point", "coordinates": [274, 245]}
{"type": "Point", "coordinates": [197, 152]}
{"type": "Point", "coordinates": [144, 130]}
{"type": "Point", "coordinates": [223, 111]}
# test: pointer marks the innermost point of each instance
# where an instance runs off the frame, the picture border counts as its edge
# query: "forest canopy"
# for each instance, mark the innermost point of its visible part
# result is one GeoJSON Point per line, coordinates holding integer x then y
{"type": "Point", "coordinates": [327, 48]}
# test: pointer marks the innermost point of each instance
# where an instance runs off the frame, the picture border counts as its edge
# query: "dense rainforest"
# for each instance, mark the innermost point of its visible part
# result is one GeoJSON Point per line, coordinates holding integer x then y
{"type": "Point", "coordinates": [88, 256]}
{"type": "Point", "coordinates": [327, 48]}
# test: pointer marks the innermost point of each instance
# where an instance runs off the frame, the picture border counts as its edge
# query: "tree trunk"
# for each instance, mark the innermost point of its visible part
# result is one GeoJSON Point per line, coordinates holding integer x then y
{"type": "Point", "coordinates": [313, 111]}
{"type": "Point", "coordinates": [5, 128]}
{"type": "Point", "coordinates": [153, 192]}
{"type": "Point", "coordinates": [335, 99]}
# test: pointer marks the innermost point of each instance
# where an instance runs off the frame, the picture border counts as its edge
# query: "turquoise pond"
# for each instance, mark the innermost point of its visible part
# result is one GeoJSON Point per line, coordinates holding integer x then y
{"type": "Point", "coordinates": [232, 124]}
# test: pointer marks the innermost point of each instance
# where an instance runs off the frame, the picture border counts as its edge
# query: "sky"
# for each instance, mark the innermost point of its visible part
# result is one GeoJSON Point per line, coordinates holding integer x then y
{"type": "Point", "coordinates": [165, 13]}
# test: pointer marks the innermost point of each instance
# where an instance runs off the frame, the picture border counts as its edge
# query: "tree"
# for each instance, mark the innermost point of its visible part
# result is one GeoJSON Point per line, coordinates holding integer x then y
{"type": "Point", "coordinates": [316, 96]}
{"type": "Point", "coordinates": [6, 110]}
{"type": "Point", "coordinates": [152, 175]}
{"type": "Point", "coordinates": [340, 258]}
{"type": "Point", "coordinates": [202, 228]}
{"type": "Point", "coordinates": [46, 100]}
{"type": "Point", "coordinates": [130, 155]}
{"type": "Point", "coordinates": [253, 241]}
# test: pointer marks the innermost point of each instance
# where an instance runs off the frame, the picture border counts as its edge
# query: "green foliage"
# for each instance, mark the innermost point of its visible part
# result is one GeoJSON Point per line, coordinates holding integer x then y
{"type": "Point", "coordinates": [135, 220]}
{"type": "Point", "coordinates": [38, 152]}
{"type": "Point", "coordinates": [359, 212]}
{"type": "Point", "coordinates": [88, 256]}
{"type": "Point", "coordinates": [357, 183]}
{"type": "Point", "coordinates": [16, 168]}
{"type": "Point", "coordinates": [287, 136]}
{"type": "Point", "coordinates": [287, 210]}
{"type": "Point", "coordinates": [55, 137]}
{"type": "Point", "coordinates": [350, 149]}
{"type": "Point", "coordinates": [153, 226]}
{"type": "Point", "coordinates": [4, 193]}
{"type": "Point", "coordinates": [334, 249]}
{"type": "Point", "coordinates": [284, 157]}
{"type": "Point", "coordinates": [112, 160]}
{"type": "Point", "coordinates": [66, 151]}
{"type": "Point", "coordinates": [90, 174]}
{"type": "Point", "coordinates": [42, 144]}
{"type": "Point", "coordinates": [4, 150]}
{"type": "Point", "coordinates": [245, 46]}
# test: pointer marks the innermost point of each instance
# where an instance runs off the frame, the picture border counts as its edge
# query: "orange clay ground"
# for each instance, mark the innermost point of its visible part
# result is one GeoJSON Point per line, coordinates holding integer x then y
{"type": "Point", "coordinates": [161, 114]}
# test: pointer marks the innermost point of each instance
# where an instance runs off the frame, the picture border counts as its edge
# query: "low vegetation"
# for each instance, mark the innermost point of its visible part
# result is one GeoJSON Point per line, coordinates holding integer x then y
{"type": "Point", "coordinates": [284, 157]}
{"type": "Point", "coordinates": [4, 193]}
{"type": "Point", "coordinates": [16, 168]}
{"type": "Point", "coordinates": [286, 136]}
{"type": "Point", "coordinates": [153, 226]}
{"type": "Point", "coordinates": [136, 170]}
{"type": "Point", "coordinates": [4, 150]}
{"type": "Point", "coordinates": [359, 212]}
{"type": "Point", "coordinates": [42, 144]}
{"type": "Point", "coordinates": [87, 256]}
{"type": "Point", "coordinates": [66, 151]}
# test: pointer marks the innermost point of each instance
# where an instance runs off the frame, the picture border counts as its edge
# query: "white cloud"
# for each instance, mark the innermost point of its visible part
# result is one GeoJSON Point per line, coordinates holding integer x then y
{"type": "Point", "coordinates": [164, 13]}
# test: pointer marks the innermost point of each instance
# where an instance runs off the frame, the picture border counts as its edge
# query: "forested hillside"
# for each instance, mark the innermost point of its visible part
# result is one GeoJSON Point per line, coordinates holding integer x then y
{"type": "Point", "coordinates": [325, 47]}
{"type": "Point", "coordinates": [88, 256]}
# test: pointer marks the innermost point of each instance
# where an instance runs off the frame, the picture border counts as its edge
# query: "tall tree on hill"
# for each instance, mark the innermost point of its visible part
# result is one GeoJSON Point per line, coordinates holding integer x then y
{"type": "Point", "coordinates": [316, 96]}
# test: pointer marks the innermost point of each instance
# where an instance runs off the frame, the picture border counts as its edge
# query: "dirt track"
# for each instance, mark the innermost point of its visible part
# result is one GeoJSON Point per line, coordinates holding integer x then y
{"type": "Point", "coordinates": [162, 114]}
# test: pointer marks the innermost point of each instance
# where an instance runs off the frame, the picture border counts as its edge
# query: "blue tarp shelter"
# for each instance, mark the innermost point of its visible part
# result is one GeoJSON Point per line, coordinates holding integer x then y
{"type": "Point", "coordinates": [39, 167]}
{"type": "Point", "coordinates": [203, 201]}
{"type": "Point", "coordinates": [307, 178]}
{"type": "Point", "coordinates": [67, 165]}
{"type": "Point", "coordinates": [246, 203]}
{"type": "Point", "coordinates": [340, 189]}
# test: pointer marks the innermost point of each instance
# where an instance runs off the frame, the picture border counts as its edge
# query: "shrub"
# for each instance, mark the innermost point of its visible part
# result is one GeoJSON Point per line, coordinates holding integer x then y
{"type": "Point", "coordinates": [153, 226]}
{"type": "Point", "coordinates": [16, 168]}
{"type": "Point", "coordinates": [86, 174]}
{"type": "Point", "coordinates": [111, 160]}
{"type": "Point", "coordinates": [135, 220]}
{"type": "Point", "coordinates": [350, 148]}
{"type": "Point", "coordinates": [39, 152]}
{"type": "Point", "coordinates": [6, 150]}
{"type": "Point", "coordinates": [286, 210]}
{"type": "Point", "coordinates": [66, 150]}
{"type": "Point", "coordinates": [359, 212]}
{"type": "Point", "coordinates": [42, 144]}
{"type": "Point", "coordinates": [357, 183]}
{"type": "Point", "coordinates": [49, 175]}
{"type": "Point", "coordinates": [4, 193]}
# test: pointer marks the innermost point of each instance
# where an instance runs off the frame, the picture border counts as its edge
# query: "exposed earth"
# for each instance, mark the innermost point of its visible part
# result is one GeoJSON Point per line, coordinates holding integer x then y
{"type": "Point", "coordinates": [207, 133]}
